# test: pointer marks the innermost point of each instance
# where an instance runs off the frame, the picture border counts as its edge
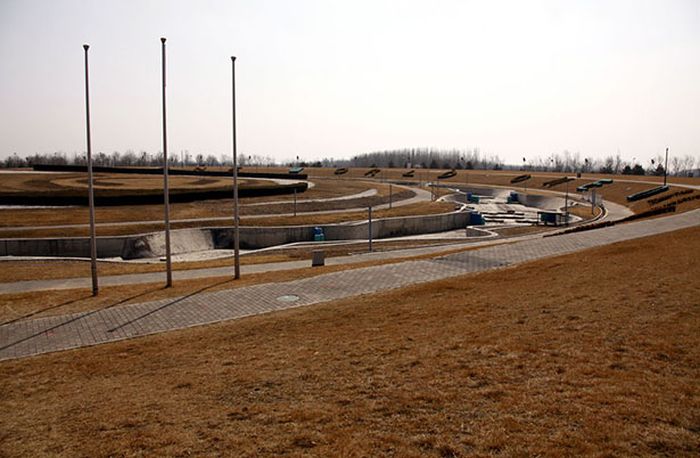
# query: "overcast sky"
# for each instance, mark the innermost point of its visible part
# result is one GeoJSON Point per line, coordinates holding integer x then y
{"type": "Point", "coordinates": [335, 78]}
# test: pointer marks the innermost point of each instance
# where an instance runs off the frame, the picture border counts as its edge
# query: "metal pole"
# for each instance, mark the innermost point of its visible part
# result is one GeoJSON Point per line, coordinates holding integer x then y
{"type": "Point", "coordinates": [236, 232]}
{"type": "Point", "coordinates": [91, 195]}
{"type": "Point", "coordinates": [566, 203]}
{"type": "Point", "coordinates": [295, 201]}
{"type": "Point", "coordinates": [369, 212]}
{"type": "Point", "coordinates": [166, 191]}
{"type": "Point", "coordinates": [390, 196]}
{"type": "Point", "coordinates": [666, 167]}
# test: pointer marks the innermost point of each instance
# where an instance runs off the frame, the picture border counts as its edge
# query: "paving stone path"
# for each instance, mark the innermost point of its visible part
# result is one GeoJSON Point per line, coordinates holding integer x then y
{"type": "Point", "coordinates": [42, 335]}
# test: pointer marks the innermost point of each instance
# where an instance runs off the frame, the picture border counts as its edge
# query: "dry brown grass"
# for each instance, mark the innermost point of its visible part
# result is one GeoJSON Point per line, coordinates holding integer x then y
{"type": "Point", "coordinates": [503, 175]}
{"type": "Point", "coordinates": [323, 188]}
{"type": "Point", "coordinates": [137, 182]}
{"type": "Point", "coordinates": [616, 192]}
{"type": "Point", "coordinates": [479, 365]}
{"type": "Point", "coordinates": [108, 183]}
{"type": "Point", "coordinates": [585, 211]}
{"type": "Point", "coordinates": [421, 208]}
{"type": "Point", "coordinates": [327, 185]}
{"type": "Point", "coordinates": [684, 202]}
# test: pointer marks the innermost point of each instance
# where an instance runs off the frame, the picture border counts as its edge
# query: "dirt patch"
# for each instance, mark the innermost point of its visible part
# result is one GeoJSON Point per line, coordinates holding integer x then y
{"type": "Point", "coordinates": [606, 364]}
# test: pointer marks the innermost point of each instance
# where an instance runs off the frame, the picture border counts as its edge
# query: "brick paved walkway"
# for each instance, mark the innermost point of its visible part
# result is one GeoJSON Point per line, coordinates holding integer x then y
{"type": "Point", "coordinates": [35, 336]}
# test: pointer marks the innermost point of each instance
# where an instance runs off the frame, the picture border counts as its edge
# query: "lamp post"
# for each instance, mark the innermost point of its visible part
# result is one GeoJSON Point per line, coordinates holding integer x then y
{"type": "Point", "coordinates": [91, 194]}
{"type": "Point", "coordinates": [236, 232]}
{"type": "Point", "coordinates": [666, 167]}
{"type": "Point", "coordinates": [166, 192]}
{"type": "Point", "coordinates": [566, 203]}
{"type": "Point", "coordinates": [390, 196]}
{"type": "Point", "coordinates": [466, 174]}
{"type": "Point", "coordinates": [369, 227]}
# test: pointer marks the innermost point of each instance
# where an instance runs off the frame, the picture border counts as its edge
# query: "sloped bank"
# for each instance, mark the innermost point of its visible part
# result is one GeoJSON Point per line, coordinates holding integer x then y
{"type": "Point", "coordinates": [116, 197]}
{"type": "Point", "coordinates": [192, 240]}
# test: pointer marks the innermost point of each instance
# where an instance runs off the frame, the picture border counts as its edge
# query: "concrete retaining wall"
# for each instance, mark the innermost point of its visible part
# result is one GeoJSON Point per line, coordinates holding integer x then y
{"type": "Point", "coordinates": [529, 200]}
{"type": "Point", "coordinates": [261, 237]}
{"type": "Point", "coordinates": [107, 247]}
{"type": "Point", "coordinates": [543, 202]}
{"type": "Point", "coordinates": [191, 240]}
{"type": "Point", "coordinates": [478, 190]}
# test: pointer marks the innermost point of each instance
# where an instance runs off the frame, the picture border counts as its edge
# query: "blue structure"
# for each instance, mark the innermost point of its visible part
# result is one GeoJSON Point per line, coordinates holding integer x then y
{"type": "Point", "coordinates": [476, 219]}
{"type": "Point", "coordinates": [551, 217]}
{"type": "Point", "coordinates": [319, 236]}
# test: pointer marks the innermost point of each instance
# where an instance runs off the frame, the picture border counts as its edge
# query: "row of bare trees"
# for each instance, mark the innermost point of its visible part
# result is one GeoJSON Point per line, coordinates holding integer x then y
{"type": "Point", "coordinates": [430, 158]}
{"type": "Point", "coordinates": [566, 162]}
{"type": "Point", "coordinates": [613, 164]}
{"type": "Point", "coordinates": [131, 158]}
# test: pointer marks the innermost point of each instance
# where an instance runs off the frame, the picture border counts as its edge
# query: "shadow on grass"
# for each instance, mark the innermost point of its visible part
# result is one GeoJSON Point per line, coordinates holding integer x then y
{"type": "Point", "coordinates": [80, 316]}
{"type": "Point", "coordinates": [168, 304]}
{"type": "Point", "coordinates": [52, 307]}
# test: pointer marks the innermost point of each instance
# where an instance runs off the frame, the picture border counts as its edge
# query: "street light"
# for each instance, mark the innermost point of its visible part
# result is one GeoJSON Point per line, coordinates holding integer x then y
{"type": "Point", "coordinates": [236, 232]}
{"type": "Point", "coordinates": [466, 176]}
{"type": "Point", "coordinates": [566, 202]}
{"type": "Point", "coordinates": [166, 192]}
{"type": "Point", "coordinates": [91, 194]}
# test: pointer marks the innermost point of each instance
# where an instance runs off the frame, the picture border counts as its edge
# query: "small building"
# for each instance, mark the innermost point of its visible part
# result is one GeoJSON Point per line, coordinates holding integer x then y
{"type": "Point", "coordinates": [553, 218]}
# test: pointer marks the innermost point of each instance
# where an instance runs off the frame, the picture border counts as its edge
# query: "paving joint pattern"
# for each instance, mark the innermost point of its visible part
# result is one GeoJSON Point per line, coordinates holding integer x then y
{"type": "Point", "coordinates": [42, 335]}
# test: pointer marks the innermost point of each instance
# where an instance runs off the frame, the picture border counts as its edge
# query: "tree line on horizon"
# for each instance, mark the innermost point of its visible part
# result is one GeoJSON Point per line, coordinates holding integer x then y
{"type": "Point", "coordinates": [427, 158]}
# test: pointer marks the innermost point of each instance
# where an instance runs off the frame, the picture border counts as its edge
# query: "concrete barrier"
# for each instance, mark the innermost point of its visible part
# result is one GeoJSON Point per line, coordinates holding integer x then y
{"type": "Point", "coordinates": [152, 245]}
{"type": "Point", "coordinates": [262, 237]}
{"type": "Point", "coordinates": [107, 247]}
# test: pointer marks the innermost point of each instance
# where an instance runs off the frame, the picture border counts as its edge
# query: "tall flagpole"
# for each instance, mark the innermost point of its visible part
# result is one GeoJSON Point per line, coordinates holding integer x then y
{"type": "Point", "coordinates": [91, 195]}
{"type": "Point", "coordinates": [236, 232]}
{"type": "Point", "coordinates": [166, 192]}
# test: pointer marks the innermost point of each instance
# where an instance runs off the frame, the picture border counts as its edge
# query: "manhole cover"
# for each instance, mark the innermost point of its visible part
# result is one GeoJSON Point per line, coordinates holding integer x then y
{"type": "Point", "coordinates": [288, 298]}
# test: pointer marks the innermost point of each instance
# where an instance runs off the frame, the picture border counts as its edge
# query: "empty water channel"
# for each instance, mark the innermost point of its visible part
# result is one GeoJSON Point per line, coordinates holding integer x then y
{"type": "Point", "coordinates": [480, 211]}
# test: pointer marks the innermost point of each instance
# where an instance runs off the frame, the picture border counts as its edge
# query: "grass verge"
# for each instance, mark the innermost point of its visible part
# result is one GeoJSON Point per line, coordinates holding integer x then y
{"type": "Point", "coordinates": [579, 354]}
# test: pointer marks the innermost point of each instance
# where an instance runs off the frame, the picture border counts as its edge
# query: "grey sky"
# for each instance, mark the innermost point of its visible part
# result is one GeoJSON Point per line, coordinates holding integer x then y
{"type": "Point", "coordinates": [335, 78]}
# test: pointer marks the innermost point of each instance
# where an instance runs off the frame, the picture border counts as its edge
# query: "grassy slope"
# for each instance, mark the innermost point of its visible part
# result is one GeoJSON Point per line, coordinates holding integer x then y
{"type": "Point", "coordinates": [207, 208]}
{"type": "Point", "coordinates": [592, 353]}
{"type": "Point", "coordinates": [325, 187]}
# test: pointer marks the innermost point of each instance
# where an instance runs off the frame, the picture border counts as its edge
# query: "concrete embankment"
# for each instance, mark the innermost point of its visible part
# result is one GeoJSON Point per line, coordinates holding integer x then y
{"type": "Point", "coordinates": [193, 240]}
